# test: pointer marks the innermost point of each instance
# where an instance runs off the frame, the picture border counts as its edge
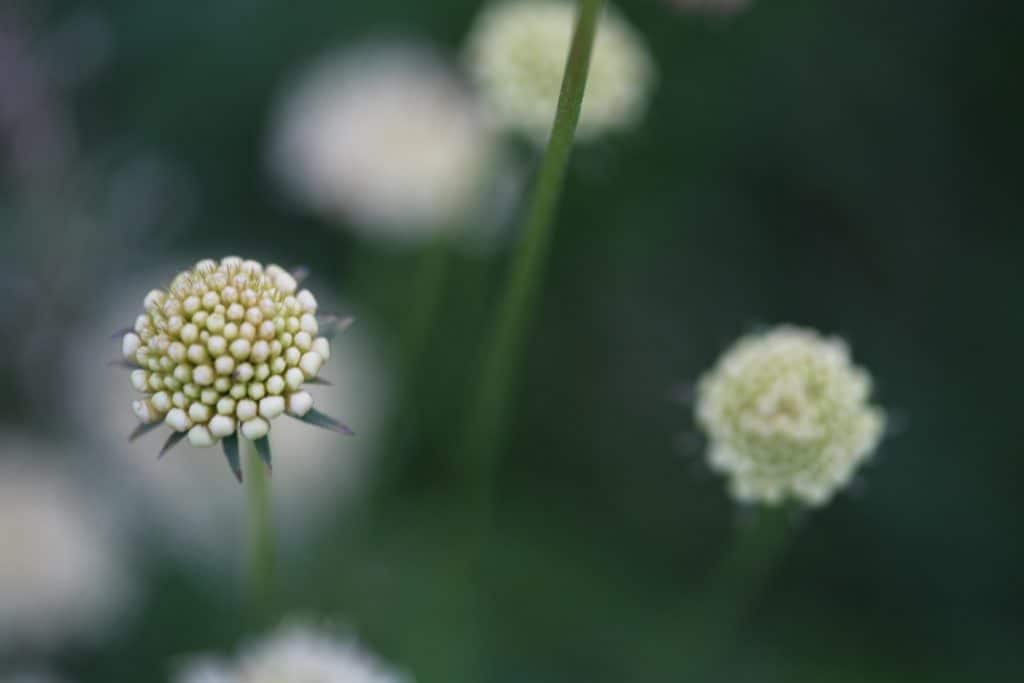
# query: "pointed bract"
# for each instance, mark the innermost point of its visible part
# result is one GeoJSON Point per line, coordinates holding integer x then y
{"type": "Point", "coordinates": [230, 444]}
{"type": "Point", "coordinates": [126, 364]}
{"type": "Point", "coordinates": [318, 419]}
{"type": "Point", "coordinates": [333, 325]}
{"type": "Point", "coordinates": [319, 381]}
{"type": "Point", "coordinates": [142, 429]}
{"type": "Point", "coordinates": [263, 449]}
{"type": "Point", "coordinates": [173, 440]}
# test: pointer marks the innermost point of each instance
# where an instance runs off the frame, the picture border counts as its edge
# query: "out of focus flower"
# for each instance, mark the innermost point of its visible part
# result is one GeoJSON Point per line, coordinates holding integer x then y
{"type": "Point", "coordinates": [296, 654]}
{"type": "Point", "coordinates": [718, 7]}
{"type": "Point", "coordinates": [63, 575]}
{"type": "Point", "coordinates": [517, 52]}
{"type": "Point", "coordinates": [224, 350]}
{"type": "Point", "coordinates": [185, 495]}
{"type": "Point", "coordinates": [386, 137]}
{"type": "Point", "coordinates": [788, 416]}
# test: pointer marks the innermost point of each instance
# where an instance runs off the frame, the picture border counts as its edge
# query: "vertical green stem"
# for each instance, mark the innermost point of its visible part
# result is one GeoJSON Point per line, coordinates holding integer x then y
{"type": "Point", "coordinates": [758, 546]}
{"type": "Point", "coordinates": [489, 414]}
{"type": "Point", "coordinates": [261, 560]}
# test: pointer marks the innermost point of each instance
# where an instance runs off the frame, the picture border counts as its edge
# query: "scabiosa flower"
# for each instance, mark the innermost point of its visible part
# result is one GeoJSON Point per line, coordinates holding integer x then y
{"type": "Point", "coordinates": [63, 574]}
{"type": "Point", "coordinates": [182, 507]}
{"type": "Point", "coordinates": [517, 53]}
{"type": "Point", "coordinates": [387, 137]}
{"type": "Point", "coordinates": [787, 415]}
{"type": "Point", "coordinates": [225, 349]}
{"type": "Point", "coordinates": [297, 654]}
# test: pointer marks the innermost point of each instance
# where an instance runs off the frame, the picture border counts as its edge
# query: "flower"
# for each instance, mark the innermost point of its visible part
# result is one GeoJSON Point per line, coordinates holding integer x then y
{"type": "Point", "coordinates": [297, 654]}
{"type": "Point", "coordinates": [517, 53]}
{"type": "Point", "coordinates": [179, 506]}
{"type": "Point", "coordinates": [225, 349]}
{"type": "Point", "coordinates": [386, 136]}
{"type": "Point", "coordinates": [63, 575]}
{"type": "Point", "coordinates": [787, 415]}
{"type": "Point", "coordinates": [720, 7]}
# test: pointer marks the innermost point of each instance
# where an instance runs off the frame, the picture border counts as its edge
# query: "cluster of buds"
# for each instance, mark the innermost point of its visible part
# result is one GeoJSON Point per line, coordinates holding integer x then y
{"type": "Point", "coordinates": [224, 350]}
{"type": "Point", "coordinates": [788, 416]}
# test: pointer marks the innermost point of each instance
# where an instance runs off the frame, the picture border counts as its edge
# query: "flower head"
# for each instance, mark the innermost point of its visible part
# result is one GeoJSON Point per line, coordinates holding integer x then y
{"type": "Point", "coordinates": [517, 53]}
{"type": "Point", "coordinates": [63, 577]}
{"type": "Point", "coordinates": [787, 415]}
{"type": "Point", "coordinates": [386, 137]}
{"type": "Point", "coordinates": [297, 654]}
{"type": "Point", "coordinates": [225, 349]}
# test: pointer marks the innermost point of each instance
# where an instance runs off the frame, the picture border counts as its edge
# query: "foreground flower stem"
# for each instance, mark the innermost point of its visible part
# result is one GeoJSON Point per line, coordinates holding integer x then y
{"type": "Point", "coordinates": [758, 546]}
{"type": "Point", "coordinates": [260, 569]}
{"type": "Point", "coordinates": [489, 412]}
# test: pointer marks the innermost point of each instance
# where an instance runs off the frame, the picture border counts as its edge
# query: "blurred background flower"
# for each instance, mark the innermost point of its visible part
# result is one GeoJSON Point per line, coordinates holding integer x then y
{"type": "Point", "coordinates": [297, 654]}
{"type": "Point", "coordinates": [516, 52]}
{"type": "Point", "coordinates": [787, 416]}
{"type": "Point", "coordinates": [64, 572]}
{"type": "Point", "coordinates": [387, 138]}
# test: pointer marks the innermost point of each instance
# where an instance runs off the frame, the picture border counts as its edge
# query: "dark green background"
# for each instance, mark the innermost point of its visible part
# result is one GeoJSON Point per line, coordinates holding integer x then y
{"type": "Point", "coordinates": [853, 166]}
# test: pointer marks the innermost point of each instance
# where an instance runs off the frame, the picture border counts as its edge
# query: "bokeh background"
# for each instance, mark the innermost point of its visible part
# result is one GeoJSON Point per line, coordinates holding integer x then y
{"type": "Point", "coordinates": [850, 166]}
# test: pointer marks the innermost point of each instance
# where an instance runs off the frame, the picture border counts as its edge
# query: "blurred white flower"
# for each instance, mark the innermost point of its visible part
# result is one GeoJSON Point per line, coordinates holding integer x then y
{"type": "Point", "coordinates": [296, 654]}
{"type": "Point", "coordinates": [788, 416]}
{"type": "Point", "coordinates": [517, 52]}
{"type": "Point", "coordinates": [63, 572]}
{"type": "Point", "coordinates": [188, 494]}
{"type": "Point", "coordinates": [719, 7]}
{"type": "Point", "coordinates": [386, 137]}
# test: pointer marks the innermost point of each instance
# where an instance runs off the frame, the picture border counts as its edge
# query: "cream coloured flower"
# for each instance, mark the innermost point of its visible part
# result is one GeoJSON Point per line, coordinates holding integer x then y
{"type": "Point", "coordinates": [63, 573]}
{"type": "Point", "coordinates": [224, 350]}
{"type": "Point", "coordinates": [182, 506]}
{"type": "Point", "coordinates": [787, 416]}
{"type": "Point", "coordinates": [296, 654]}
{"type": "Point", "coordinates": [387, 137]}
{"type": "Point", "coordinates": [517, 52]}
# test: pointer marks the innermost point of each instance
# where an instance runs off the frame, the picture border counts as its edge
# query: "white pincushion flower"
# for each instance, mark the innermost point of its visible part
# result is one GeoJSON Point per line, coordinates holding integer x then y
{"type": "Point", "coordinates": [183, 506]}
{"type": "Point", "coordinates": [227, 348]}
{"type": "Point", "coordinates": [787, 415]}
{"type": "Point", "coordinates": [296, 654]}
{"type": "Point", "coordinates": [63, 576]}
{"type": "Point", "coordinates": [517, 52]}
{"type": "Point", "coordinates": [386, 137]}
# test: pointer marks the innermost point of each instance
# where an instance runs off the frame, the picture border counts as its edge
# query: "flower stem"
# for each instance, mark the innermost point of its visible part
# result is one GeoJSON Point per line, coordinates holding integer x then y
{"type": "Point", "coordinates": [489, 416]}
{"type": "Point", "coordinates": [758, 546]}
{"type": "Point", "coordinates": [261, 561]}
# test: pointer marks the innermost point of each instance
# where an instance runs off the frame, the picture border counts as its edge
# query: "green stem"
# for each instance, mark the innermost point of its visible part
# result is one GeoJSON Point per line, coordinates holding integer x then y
{"type": "Point", "coordinates": [758, 546]}
{"type": "Point", "coordinates": [261, 561]}
{"type": "Point", "coordinates": [489, 416]}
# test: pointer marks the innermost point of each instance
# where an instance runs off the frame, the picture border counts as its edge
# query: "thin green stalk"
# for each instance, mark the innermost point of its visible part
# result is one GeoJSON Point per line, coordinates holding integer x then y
{"type": "Point", "coordinates": [758, 546]}
{"type": "Point", "coordinates": [489, 413]}
{"type": "Point", "coordinates": [261, 561]}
